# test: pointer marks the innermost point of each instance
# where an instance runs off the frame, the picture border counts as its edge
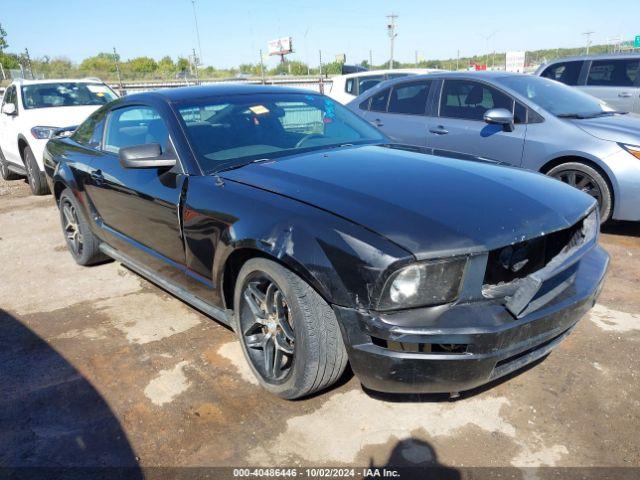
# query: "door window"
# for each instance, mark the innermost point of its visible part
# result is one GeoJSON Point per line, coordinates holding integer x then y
{"type": "Point", "coordinates": [131, 126]}
{"type": "Point", "coordinates": [409, 98]}
{"type": "Point", "coordinates": [370, 81]}
{"type": "Point", "coordinates": [470, 100]}
{"type": "Point", "coordinates": [613, 73]}
{"type": "Point", "coordinates": [379, 101]}
{"type": "Point", "coordinates": [565, 72]}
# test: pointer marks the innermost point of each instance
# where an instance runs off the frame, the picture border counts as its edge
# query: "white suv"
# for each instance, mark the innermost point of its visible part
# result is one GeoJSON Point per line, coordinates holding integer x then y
{"type": "Point", "coordinates": [32, 111]}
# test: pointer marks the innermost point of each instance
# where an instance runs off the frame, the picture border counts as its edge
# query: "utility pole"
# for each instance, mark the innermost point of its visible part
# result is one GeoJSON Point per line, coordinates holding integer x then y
{"type": "Point", "coordinates": [196, 61]}
{"type": "Point", "coordinates": [391, 30]}
{"type": "Point", "coordinates": [416, 57]}
{"type": "Point", "coordinates": [458, 61]}
{"type": "Point", "coordinates": [195, 18]}
{"type": "Point", "coordinates": [26, 54]}
{"type": "Point", "coordinates": [261, 68]}
{"type": "Point", "coordinates": [320, 68]}
{"type": "Point", "coordinates": [115, 60]}
{"type": "Point", "coordinates": [370, 59]}
{"type": "Point", "coordinates": [588, 35]}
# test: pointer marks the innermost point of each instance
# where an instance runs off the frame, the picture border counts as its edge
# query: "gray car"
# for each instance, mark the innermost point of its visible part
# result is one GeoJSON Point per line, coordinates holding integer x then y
{"type": "Point", "coordinates": [613, 78]}
{"type": "Point", "coordinates": [522, 120]}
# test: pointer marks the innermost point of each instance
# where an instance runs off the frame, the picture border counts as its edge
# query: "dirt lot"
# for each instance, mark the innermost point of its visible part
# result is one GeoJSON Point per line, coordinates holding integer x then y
{"type": "Point", "coordinates": [99, 367]}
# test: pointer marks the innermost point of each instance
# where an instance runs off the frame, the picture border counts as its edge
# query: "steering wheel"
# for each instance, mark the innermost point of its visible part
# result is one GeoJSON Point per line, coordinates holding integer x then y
{"type": "Point", "coordinates": [303, 140]}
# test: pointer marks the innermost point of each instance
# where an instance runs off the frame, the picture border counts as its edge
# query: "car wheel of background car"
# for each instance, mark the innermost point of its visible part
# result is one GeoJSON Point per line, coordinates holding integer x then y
{"type": "Point", "coordinates": [589, 180]}
{"type": "Point", "coordinates": [289, 334]}
{"type": "Point", "coordinates": [36, 178]}
{"type": "Point", "coordinates": [82, 243]}
{"type": "Point", "coordinates": [5, 173]}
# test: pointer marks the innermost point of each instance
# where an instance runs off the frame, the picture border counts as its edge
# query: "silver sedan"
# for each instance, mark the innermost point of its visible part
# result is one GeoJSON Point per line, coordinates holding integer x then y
{"type": "Point", "coordinates": [521, 120]}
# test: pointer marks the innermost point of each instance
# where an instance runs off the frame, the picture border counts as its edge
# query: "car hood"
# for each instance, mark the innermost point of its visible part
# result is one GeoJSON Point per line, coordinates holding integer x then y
{"type": "Point", "coordinates": [430, 205]}
{"type": "Point", "coordinates": [59, 116]}
{"type": "Point", "coordinates": [615, 128]}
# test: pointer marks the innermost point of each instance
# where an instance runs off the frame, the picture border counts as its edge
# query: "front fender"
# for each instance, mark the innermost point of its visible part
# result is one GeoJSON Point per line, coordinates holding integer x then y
{"type": "Point", "coordinates": [339, 259]}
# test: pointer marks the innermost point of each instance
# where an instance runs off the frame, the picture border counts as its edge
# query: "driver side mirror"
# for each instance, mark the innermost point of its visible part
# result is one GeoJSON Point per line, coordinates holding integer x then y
{"type": "Point", "coordinates": [9, 109]}
{"type": "Point", "coordinates": [148, 155]}
{"type": "Point", "coordinates": [500, 116]}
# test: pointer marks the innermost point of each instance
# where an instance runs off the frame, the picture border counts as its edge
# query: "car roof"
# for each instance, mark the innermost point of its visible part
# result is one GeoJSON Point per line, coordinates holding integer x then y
{"type": "Point", "coordinates": [598, 56]}
{"type": "Point", "coordinates": [472, 75]}
{"type": "Point", "coordinates": [24, 81]}
{"type": "Point", "coordinates": [416, 71]}
{"type": "Point", "coordinates": [180, 94]}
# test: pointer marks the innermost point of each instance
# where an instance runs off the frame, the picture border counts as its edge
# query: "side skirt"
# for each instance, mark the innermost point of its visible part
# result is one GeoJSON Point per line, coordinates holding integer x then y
{"type": "Point", "coordinates": [223, 316]}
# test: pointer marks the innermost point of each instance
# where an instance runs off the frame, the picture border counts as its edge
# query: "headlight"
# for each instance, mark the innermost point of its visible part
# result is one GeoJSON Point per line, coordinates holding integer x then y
{"type": "Point", "coordinates": [632, 149]}
{"type": "Point", "coordinates": [43, 132]}
{"type": "Point", "coordinates": [423, 284]}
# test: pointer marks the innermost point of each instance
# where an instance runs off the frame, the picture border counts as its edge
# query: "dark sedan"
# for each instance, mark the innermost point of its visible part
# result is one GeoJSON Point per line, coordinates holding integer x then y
{"type": "Point", "coordinates": [285, 216]}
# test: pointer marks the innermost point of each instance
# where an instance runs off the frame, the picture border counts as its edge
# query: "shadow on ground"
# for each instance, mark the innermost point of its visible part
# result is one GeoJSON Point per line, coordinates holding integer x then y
{"type": "Point", "coordinates": [50, 415]}
{"type": "Point", "coordinates": [629, 229]}
{"type": "Point", "coordinates": [416, 459]}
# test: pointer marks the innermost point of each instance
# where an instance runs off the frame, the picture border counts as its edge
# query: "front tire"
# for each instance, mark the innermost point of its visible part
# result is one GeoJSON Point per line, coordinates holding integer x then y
{"type": "Point", "coordinates": [81, 242]}
{"type": "Point", "coordinates": [289, 334]}
{"type": "Point", "coordinates": [36, 178]}
{"type": "Point", "coordinates": [590, 181]}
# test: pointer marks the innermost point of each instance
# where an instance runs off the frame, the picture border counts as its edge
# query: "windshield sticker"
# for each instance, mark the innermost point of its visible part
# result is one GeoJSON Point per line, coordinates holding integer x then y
{"type": "Point", "coordinates": [259, 109]}
{"type": "Point", "coordinates": [330, 110]}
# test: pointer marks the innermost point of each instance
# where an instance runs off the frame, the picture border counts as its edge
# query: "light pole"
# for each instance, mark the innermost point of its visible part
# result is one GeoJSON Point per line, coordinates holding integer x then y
{"type": "Point", "coordinates": [588, 35]}
{"type": "Point", "coordinates": [195, 19]}
{"type": "Point", "coordinates": [391, 30]}
{"type": "Point", "coordinates": [487, 38]}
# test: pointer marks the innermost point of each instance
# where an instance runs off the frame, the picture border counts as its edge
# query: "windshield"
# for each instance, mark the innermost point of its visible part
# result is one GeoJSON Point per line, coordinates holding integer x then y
{"type": "Point", "coordinates": [65, 94]}
{"type": "Point", "coordinates": [556, 97]}
{"type": "Point", "coordinates": [239, 128]}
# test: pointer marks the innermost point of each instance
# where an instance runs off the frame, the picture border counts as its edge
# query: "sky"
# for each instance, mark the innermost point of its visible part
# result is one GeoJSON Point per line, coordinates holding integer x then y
{"type": "Point", "coordinates": [233, 32]}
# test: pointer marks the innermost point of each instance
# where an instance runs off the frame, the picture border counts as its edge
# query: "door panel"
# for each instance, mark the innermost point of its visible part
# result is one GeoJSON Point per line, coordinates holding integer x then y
{"type": "Point", "coordinates": [461, 128]}
{"type": "Point", "coordinates": [615, 81]}
{"type": "Point", "coordinates": [9, 124]}
{"type": "Point", "coordinates": [139, 209]}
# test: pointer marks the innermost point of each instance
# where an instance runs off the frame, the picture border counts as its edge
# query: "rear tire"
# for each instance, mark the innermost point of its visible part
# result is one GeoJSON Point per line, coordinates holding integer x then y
{"type": "Point", "coordinates": [36, 178]}
{"type": "Point", "coordinates": [274, 306]}
{"type": "Point", "coordinates": [586, 178]}
{"type": "Point", "coordinates": [81, 242]}
{"type": "Point", "coordinates": [5, 173]}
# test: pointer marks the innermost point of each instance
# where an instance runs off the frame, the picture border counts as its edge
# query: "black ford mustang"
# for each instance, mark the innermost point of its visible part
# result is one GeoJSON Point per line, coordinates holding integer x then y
{"type": "Point", "coordinates": [287, 217]}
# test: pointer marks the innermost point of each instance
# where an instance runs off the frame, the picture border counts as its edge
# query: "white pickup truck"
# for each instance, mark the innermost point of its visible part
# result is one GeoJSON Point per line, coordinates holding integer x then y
{"type": "Point", "coordinates": [32, 111]}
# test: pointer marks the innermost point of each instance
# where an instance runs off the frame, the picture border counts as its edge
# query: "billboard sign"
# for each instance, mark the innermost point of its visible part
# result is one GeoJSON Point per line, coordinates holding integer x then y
{"type": "Point", "coordinates": [280, 46]}
{"type": "Point", "coordinates": [515, 62]}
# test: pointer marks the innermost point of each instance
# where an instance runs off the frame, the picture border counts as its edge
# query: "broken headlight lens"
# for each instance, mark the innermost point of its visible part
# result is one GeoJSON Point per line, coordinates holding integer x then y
{"type": "Point", "coordinates": [423, 284]}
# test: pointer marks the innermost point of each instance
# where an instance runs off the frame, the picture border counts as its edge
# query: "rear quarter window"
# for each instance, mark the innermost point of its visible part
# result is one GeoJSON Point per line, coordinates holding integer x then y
{"type": "Point", "coordinates": [565, 72]}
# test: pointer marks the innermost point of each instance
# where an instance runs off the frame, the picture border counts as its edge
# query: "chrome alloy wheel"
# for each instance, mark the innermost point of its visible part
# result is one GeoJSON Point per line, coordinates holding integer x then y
{"type": "Point", "coordinates": [71, 228]}
{"type": "Point", "coordinates": [266, 328]}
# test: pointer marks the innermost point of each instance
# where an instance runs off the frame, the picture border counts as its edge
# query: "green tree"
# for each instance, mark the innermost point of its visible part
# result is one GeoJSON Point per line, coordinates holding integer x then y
{"type": "Point", "coordinates": [99, 65]}
{"type": "Point", "coordinates": [182, 64]}
{"type": "Point", "coordinates": [141, 66]}
{"type": "Point", "coordinates": [3, 39]}
{"type": "Point", "coordinates": [166, 67]}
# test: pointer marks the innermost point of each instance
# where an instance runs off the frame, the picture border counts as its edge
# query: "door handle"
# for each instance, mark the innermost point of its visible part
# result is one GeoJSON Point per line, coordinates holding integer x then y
{"type": "Point", "coordinates": [97, 177]}
{"type": "Point", "coordinates": [377, 123]}
{"type": "Point", "coordinates": [439, 131]}
{"type": "Point", "coordinates": [625, 95]}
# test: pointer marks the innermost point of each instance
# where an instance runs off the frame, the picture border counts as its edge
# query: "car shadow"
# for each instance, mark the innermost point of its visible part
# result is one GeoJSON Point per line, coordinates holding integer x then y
{"type": "Point", "coordinates": [629, 229]}
{"type": "Point", "coordinates": [415, 459]}
{"type": "Point", "coordinates": [446, 397]}
{"type": "Point", "coordinates": [53, 422]}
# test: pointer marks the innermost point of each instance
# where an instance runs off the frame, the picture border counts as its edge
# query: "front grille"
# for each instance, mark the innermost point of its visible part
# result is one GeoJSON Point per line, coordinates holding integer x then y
{"type": "Point", "coordinates": [520, 260]}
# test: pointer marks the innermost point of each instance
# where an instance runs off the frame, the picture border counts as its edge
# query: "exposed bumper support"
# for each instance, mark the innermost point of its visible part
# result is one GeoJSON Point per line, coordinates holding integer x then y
{"type": "Point", "coordinates": [495, 342]}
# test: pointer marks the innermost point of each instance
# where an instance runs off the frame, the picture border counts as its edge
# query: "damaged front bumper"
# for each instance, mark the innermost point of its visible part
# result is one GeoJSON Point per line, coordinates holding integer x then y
{"type": "Point", "coordinates": [451, 348]}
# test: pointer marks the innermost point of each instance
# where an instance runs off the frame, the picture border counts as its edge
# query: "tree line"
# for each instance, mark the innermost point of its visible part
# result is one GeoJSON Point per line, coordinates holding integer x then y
{"type": "Point", "coordinates": [103, 65]}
